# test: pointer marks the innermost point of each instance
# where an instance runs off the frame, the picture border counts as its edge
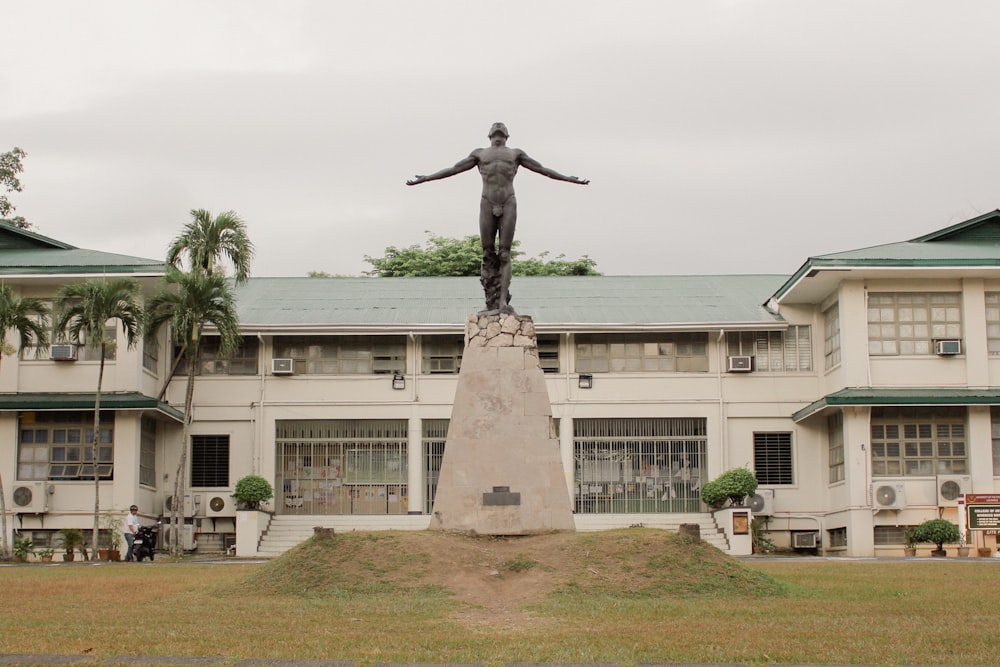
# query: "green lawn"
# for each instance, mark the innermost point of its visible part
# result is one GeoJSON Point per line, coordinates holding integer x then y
{"type": "Point", "coordinates": [893, 612]}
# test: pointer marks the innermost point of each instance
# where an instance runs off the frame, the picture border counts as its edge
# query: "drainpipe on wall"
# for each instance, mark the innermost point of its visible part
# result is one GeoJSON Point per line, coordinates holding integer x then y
{"type": "Point", "coordinates": [258, 449]}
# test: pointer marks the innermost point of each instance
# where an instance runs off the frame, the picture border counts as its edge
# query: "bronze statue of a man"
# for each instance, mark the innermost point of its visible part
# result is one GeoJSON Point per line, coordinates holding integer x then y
{"type": "Point", "coordinates": [498, 207]}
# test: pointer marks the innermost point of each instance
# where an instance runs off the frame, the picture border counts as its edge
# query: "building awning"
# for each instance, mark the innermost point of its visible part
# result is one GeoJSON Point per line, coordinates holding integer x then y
{"type": "Point", "coordinates": [112, 401]}
{"type": "Point", "coordinates": [900, 396]}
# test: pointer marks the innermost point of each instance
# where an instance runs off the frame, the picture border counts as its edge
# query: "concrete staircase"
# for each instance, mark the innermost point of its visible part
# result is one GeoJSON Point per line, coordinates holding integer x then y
{"type": "Point", "coordinates": [286, 531]}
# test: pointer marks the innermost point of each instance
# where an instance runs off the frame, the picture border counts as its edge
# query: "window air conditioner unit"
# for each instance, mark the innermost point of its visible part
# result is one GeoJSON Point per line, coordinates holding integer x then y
{"type": "Point", "coordinates": [31, 498]}
{"type": "Point", "coordinates": [888, 496]}
{"type": "Point", "coordinates": [62, 352]}
{"type": "Point", "coordinates": [220, 506]}
{"type": "Point", "coordinates": [740, 364]}
{"type": "Point", "coordinates": [804, 540]}
{"type": "Point", "coordinates": [952, 487]}
{"type": "Point", "coordinates": [762, 502]}
{"type": "Point", "coordinates": [282, 367]}
{"type": "Point", "coordinates": [947, 348]}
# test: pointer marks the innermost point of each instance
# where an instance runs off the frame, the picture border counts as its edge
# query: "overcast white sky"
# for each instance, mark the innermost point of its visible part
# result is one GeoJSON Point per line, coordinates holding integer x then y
{"type": "Point", "coordinates": [719, 137]}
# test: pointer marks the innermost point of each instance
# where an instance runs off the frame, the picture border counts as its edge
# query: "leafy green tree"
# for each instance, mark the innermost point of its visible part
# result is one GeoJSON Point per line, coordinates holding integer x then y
{"type": "Point", "coordinates": [84, 310]}
{"type": "Point", "coordinates": [26, 317]}
{"type": "Point", "coordinates": [10, 167]}
{"type": "Point", "coordinates": [443, 256]}
{"type": "Point", "coordinates": [936, 531]}
{"type": "Point", "coordinates": [206, 240]}
{"type": "Point", "coordinates": [188, 303]}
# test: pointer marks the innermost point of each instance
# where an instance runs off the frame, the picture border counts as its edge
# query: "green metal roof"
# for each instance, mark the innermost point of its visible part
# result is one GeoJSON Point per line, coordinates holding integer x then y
{"type": "Point", "coordinates": [969, 244]}
{"type": "Point", "coordinates": [26, 253]}
{"type": "Point", "coordinates": [900, 396]}
{"type": "Point", "coordinates": [111, 401]}
{"type": "Point", "coordinates": [569, 302]}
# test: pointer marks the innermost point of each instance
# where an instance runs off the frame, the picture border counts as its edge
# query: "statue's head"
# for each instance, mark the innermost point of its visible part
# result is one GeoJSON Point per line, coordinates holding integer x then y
{"type": "Point", "coordinates": [498, 127]}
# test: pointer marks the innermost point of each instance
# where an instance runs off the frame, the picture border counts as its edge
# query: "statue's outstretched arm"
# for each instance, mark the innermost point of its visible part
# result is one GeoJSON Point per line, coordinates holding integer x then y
{"type": "Point", "coordinates": [536, 166]}
{"type": "Point", "coordinates": [460, 166]}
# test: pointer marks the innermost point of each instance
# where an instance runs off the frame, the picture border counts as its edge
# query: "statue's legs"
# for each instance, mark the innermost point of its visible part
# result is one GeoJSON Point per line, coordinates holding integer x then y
{"type": "Point", "coordinates": [495, 273]}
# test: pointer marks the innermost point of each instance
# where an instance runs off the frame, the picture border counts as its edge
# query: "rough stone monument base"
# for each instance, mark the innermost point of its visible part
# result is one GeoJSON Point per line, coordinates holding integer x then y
{"type": "Point", "coordinates": [502, 472]}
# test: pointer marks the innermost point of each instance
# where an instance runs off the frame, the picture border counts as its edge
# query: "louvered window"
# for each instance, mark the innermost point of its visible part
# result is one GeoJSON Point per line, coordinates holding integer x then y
{"type": "Point", "coordinates": [775, 351]}
{"type": "Point", "coordinates": [441, 355]}
{"type": "Point", "coordinates": [772, 458]}
{"type": "Point", "coordinates": [831, 336]}
{"type": "Point", "coordinates": [638, 353]}
{"type": "Point", "coordinates": [209, 460]}
{"type": "Point", "coordinates": [343, 355]}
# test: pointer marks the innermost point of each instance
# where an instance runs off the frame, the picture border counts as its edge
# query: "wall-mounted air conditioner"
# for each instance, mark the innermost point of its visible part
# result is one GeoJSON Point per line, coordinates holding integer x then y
{"type": "Point", "coordinates": [188, 538]}
{"type": "Point", "coordinates": [220, 506]}
{"type": "Point", "coordinates": [30, 497]}
{"type": "Point", "coordinates": [888, 496]}
{"type": "Point", "coordinates": [62, 352]}
{"type": "Point", "coordinates": [952, 487]}
{"type": "Point", "coordinates": [947, 348]}
{"type": "Point", "coordinates": [762, 502]}
{"type": "Point", "coordinates": [805, 540]}
{"type": "Point", "coordinates": [282, 366]}
{"type": "Point", "coordinates": [168, 506]}
{"type": "Point", "coordinates": [742, 363]}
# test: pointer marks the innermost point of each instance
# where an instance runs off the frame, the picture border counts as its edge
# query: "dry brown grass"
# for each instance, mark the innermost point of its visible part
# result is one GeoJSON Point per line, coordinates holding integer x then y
{"type": "Point", "coordinates": [627, 596]}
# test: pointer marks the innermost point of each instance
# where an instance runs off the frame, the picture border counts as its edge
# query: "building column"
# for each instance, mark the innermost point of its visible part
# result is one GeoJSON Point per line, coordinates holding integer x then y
{"type": "Point", "coordinates": [415, 467]}
{"type": "Point", "coordinates": [566, 453]}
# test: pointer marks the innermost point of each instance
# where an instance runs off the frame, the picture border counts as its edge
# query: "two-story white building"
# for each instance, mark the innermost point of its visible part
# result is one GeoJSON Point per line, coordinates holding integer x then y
{"type": "Point", "coordinates": [860, 390]}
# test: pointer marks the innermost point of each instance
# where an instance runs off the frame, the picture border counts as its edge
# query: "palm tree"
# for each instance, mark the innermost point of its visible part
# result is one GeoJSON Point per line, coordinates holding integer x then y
{"type": "Point", "coordinates": [26, 316]}
{"type": "Point", "coordinates": [188, 303]}
{"type": "Point", "coordinates": [84, 310]}
{"type": "Point", "coordinates": [206, 240]}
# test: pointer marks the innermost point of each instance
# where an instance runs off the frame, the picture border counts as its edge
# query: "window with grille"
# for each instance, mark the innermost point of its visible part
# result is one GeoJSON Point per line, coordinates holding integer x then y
{"type": "Point", "coordinates": [835, 433]}
{"type": "Point", "coordinates": [243, 361]}
{"type": "Point", "coordinates": [641, 465]}
{"type": "Point", "coordinates": [837, 537]}
{"type": "Point", "coordinates": [343, 355]}
{"type": "Point", "coordinates": [147, 452]}
{"type": "Point", "coordinates": [209, 460]}
{"type": "Point", "coordinates": [341, 466]}
{"type": "Point", "coordinates": [434, 436]}
{"type": "Point", "coordinates": [58, 446]}
{"type": "Point", "coordinates": [637, 353]}
{"type": "Point", "coordinates": [831, 336]}
{"type": "Point", "coordinates": [774, 351]}
{"type": "Point", "coordinates": [441, 355]}
{"type": "Point", "coordinates": [908, 323]}
{"type": "Point", "coordinates": [918, 441]}
{"type": "Point", "coordinates": [890, 536]}
{"type": "Point", "coordinates": [772, 458]}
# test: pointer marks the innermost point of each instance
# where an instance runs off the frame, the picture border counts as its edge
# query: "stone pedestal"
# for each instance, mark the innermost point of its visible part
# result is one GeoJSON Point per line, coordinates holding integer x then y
{"type": "Point", "coordinates": [501, 473]}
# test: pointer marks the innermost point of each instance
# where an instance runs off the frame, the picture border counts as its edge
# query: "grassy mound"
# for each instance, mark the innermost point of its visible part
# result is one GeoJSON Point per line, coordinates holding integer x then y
{"type": "Point", "coordinates": [626, 563]}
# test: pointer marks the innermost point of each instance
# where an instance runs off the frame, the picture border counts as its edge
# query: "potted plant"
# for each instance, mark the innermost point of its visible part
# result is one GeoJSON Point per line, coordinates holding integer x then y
{"type": "Point", "coordinates": [251, 491]}
{"type": "Point", "coordinates": [938, 532]}
{"type": "Point", "coordinates": [115, 527]}
{"type": "Point", "coordinates": [71, 539]}
{"type": "Point", "coordinates": [909, 543]}
{"type": "Point", "coordinates": [22, 549]}
{"type": "Point", "coordinates": [733, 485]}
{"type": "Point", "coordinates": [45, 555]}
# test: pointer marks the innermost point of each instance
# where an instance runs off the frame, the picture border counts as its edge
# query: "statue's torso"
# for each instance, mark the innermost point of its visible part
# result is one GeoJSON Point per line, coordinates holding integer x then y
{"type": "Point", "coordinates": [498, 165]}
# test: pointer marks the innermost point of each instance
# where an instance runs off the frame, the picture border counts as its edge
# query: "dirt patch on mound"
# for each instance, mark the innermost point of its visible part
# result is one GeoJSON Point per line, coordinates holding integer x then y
{"type": "Point", "coordinates": [497, 577]}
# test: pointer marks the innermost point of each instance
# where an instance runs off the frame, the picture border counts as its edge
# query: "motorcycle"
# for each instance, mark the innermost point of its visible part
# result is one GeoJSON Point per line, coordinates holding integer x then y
{"type": "Point", "coordinates": [145, 543]}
